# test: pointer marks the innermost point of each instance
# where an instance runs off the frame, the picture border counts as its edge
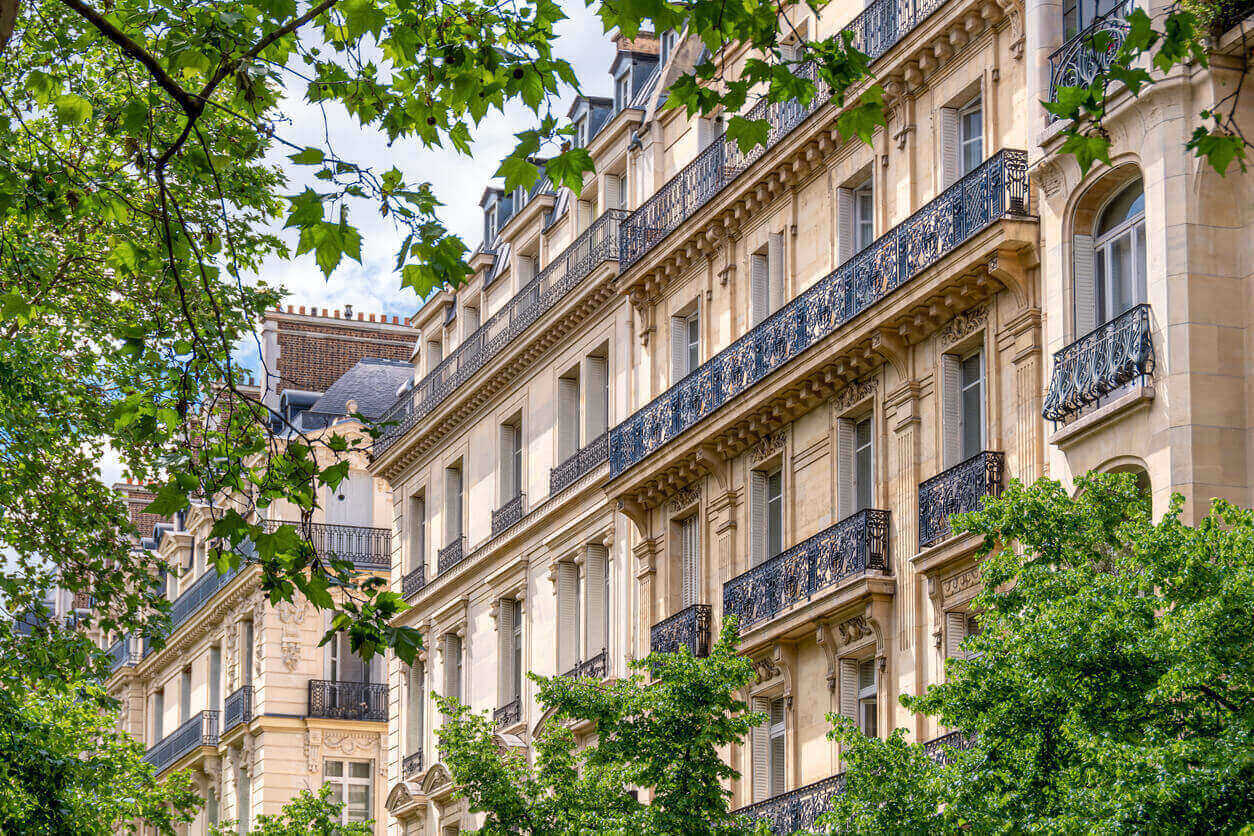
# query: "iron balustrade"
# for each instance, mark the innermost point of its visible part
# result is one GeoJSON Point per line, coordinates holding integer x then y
{"type": "Point", "coordinates": [411, 765]}
{"type": "Point", "coordinates": [959, 489]}
{"type": "Point", "coordinates": [879, 27]}
{"type": "Point", "coordinates": [584, 461]}
{"type": "Point", "coordinates": [1089, 52]}
{"type": "Point", "coordinates": [1102, 361]}
{"type": "Point", "coordinates": [508, 514]}
{"type": "Point", "coordinates": [414, 582]}
{"type": "Point", "coordinates": [941, 749]}
{"type": "Point", "coordinates": [597, 244]}
{"type": "Point", "coordinates": [795, 810]}
{"type": "Point", "coordinates": [690, 628]}
{"type": "Point", "coordinates": [123, 652]}
{"type": "Point", "coordinates": [854, 546]}
{"type": "Point", "coordinates": [238, 708]}
{"type": "Point", "coordinates": [508, 714]}
{"type": "Point", "coordinates": [451, 555]}
{"type": "Point", "coordinates": [200, 730]}
{"type": "Point", "coordinates": [197, 595]}
{"type": "Point", "coordinates": [348, 700]}
{"type": "Point", "coordinates": [368, 547]}
{"type": "Point", "coordinates": [596, 667]}
{"type": "Point", "coordinates": [996, 189]}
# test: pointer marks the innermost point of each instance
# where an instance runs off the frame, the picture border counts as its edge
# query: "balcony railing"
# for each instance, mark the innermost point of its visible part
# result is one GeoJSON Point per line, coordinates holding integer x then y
{"type": "Point", "coordinates": [451, 555]}
{"type": "Point", "coordinates": [348, 700]}
{"type": "Point", "coordinates": [690, 628]}
{"type": "Point", "coordinates": [123, 652]}
{"type": "Point", "coordinates": [597, 244]}
{"type": "Point", "coordinates": [796, 810]}
{"type": "Point", "coordinates": [200, 730]}
{"type": "Point", "coordinates": [1101, 362]}
{"type": "Point", "coordinates": [941, 749]}
{"type": "Point", "coordinates": [853, 546]}
{"type": "Point", "coordinates": [414, 582]}
{"type": "Point", "coordinates": [509, 714]}
{"type": "Point", "coordinates": [508, 514]}
{"type": "Point", "coordinates": [597, 667]}
{"type": "Point", "coordinates": [369, 548]}
{"type": "Point", "coordinates": [197, 595]}
{"type": "Point", "coordinates": [996, 189]}
{"type": "Point", "coordinates": [411, 765]}
{"type": "Point", "coordinates": [238, 708]}
{"type": "Point", "coordinates": [1089, 52]}
{"type": "Point", "coordinates": [583, 462]}
{"type": "Point", "coordinates": [876, 30]}
{"type": "Point", "coordinates": [959, 489]}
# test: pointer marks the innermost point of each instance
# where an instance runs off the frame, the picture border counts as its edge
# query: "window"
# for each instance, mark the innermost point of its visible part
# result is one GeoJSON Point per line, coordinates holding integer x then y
{"type": "Point", "coordinates": [158, 716]}
{"type": "Point", "coordinates": [211, 807]}
{"type": "Point", "coordinates": [350, 786]}
{"type": "Point", "coordinates": [215, 678]}
{"type": "Point", "coordinates": [1110, 269]}
{"type": "Point", "coordinates": [470, 321]}
{"type": "Point", "coordinates": [597, 600]}
{"type": "Point", "coordinates": [509, 650]}
{"type": "Point", "coordinates": [517, 649]}
{"type": "Point", "coordinates": [246, 651]}
{"type": "Point", "coordinates": [766, 515]}
{"type": "Point", "coordinates": [489, 225]}
{"type": "Point", "coordinates": [185, 695]}
{"type": "Point", "coordinates": [452, 666]}
{"type": "Point", "coordinates": [418, 531]}
{"type": "Point", "coordinates": [613, 196]}
{"type": "Point", "coordinates": [867, 697]}
{"type": "Point", "coordinates": [582, 132]}
{"type": "Point", "coordinates": [777, 747]}
{"type": "Point", "coordinates": [864, 217]}
{"type": "Point", "coordinates": [774, 513]}
{"type": "Point", "coordinates": [622, 91]}
{"type": "Point", "coordinates": [351, 501]}
{"type": "Point", "coordinates": [855, 470]}
{"type": "Point", "coordinates": [526, 270]}
{"type": "Point", "coordinates": [685, 345]}
{"type": "Point", "coordinates": [855, 223]}
{"type": "Point", "coordinates": [567, 615]}
{"type": "Point", "coordinates": [670, 40]}
{"type": "Point", "coordinates": [766, 279]}
{"type": "Point", "coordinates": [584, 219]}
{"type": "Point", "coordinates": [597, 409]}
{"type": "Point", "coordinates": [971, 136]}
{"type": "Point", "coordinates": [343, 665]}
{"type": "Point", "coordinates": [959, 625]}
{"type": "Point", "coordinates": [452, 504]}
{"type": "Point", "coordinates": [1077, 14]}
{"type": "Point", "coordinates": [435, 354]}
{"type": "Point", "coordinates": [769, 752]}
{"type": "Point", "coordinates": [414, 710]}
{"type": "Point", "coordinates": [863, 462]}
{"type": "Point", "coordinates": [689, 546]}
{"type": "Point", "coordinates": [972, 387]}
{"type": "Point", "coordinates": [568, 414]}
{"type": "Point", "coordinates": [511, 460]}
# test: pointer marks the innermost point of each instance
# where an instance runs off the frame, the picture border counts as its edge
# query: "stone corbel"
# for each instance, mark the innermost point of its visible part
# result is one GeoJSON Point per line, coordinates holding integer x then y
{"type": "Point", "coordinates": [714, 464]}
{"type": "Point", "coordinates": [825, 637]}
{"type": "Point", "coordinates": [889, 345]}
{"type": "Point", "coordinates": [630, 508]}
{"type": "Point", "coordinates": [1011, 269]}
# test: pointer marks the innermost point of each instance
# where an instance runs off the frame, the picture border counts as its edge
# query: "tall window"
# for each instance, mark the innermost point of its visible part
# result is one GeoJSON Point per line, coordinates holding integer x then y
{"type": "Point", "coordinates": [453, 666]}
{"type": "Point", "coordinates": [1077, 14]}
{"type": "Point", "coordinates": [768, 749]}
{"type": "Point", "coordinates": [452, 504]}
{"type": "Point", "coordinates": [509, 650]}
{"type": "Point", "coordinates": [435, 354]}
{"type": "Point", "coordinates": [246, 651]}
{"type": "Point", "coordinates": [597, 406]}
{"type": "Point", "coordinates": [688, 561]}
{"type": "Point", "coordinates": [669, 39]}
{"type": "Point", "coordinates": [867, 697]}
{"type": "Point", "coordinates": [863, 464]}
{"type": "Point", "coordinates": [185, 695]}
{"type": "Point", "coordinates": [568, 414]}
{"type": "Point", "coordinates": [215, 678]}
{"type": "Point", "coordinates": [511, 459]}
{"type": "Point", "coordinates": [971, 382]}
{"type": "Point", "coordinates": [350, 784]}
{"type": "Point", "coordinates": [418, 530]}
{"type": "Point", "coordinates": [971, 136]}
{"type": "Point", "coordinates": [1120, 265]}
{"type": "Point", "coordinates": [863, 216]}
{"type": "Point", "coordinates": [613, 197]}
{"type": "Point", "coordinates": [470, 321]}
{"type": "Point", "coordinates": [774, 513]}
{"type": "Point", "coordinates": [414, 710]}
{"type": "Point", "coordinates": [596, 600]}
{"type": "Point", "coordinates": [158, 715]}
{"type": "Point", "coordinates": [685, 345]}
{"type": "Point", "coordinates": [489, 225]}
{"type": "Point", "coordinates": [766, 279]}
{"type": "Point", "coordinates": [517, 648]}
{"type": "Point", "coordinates": [622, 91]}
{"type": "Point", "coordinates": [777, 739]}
{"type": "Point", "coordinates": [567, 615]}
{"type": "Point", "coordinates": [766, 514]}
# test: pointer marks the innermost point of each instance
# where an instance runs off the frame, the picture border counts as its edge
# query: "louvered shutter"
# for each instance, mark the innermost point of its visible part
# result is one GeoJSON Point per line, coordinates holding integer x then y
{"type": "Point", "coordinates": [613, 192]}
{"type": "Point", "coordinates": [452, 653]}
{"type": "Point", "coordinates": [526, 270]}
{"type": "Point", "coordinates": [849, 688]}
{"type": "Point", "coordinates": [951, 410]}
{"type": "Point", "coordinates": [757, 517]}
{"type": "Point", "coordinates": [413, 711]}
{"type": "Point", "coordinates": [955, 632]}
{"type": "Point", "coordinates": [505, 651]}
{"type": "Point", "coordinates": [585, 214]}
{"type": "Point", "coordinates": [567, 628]}
{"type": "Point", "coordinates": [775, 272]}
{"type": "Point", "coordinates": [679, 348]}
{"type": "Point", "coordinates": [761, 751]}
{"type": "Point", "coordinates": [506, 464]}
{"type": "Point", "coordinates": [453, 505]}
{"type": "Point", "coordinates": [418, 549]}
{"type": "Point", "coordinates": [596, 604]}
{"type": "Point", "coordinates": [567, 418]}
{"type": "Point", "coordinates": [1084, 272]}
{"type": "Point", "coordinates": [778, 775]}
{"type": "Point", "coordinates": [688, 561]}
{"type": "Point", "coordinates": [844, 225]}
{"type": "Point", "coordinates": [598, 409]}
{"type": "Point", "coordinates": [759, 288]}
{"type": "Point", "coordinates": [845, 481]}
{"type": "Point", "coordinates": [951, 151]}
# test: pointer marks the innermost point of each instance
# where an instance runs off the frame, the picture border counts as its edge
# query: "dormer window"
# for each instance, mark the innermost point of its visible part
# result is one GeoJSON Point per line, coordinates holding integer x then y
{"type": "Point", "coordinates": [520, 198]}
{"type": "Point", "coordinates": [581, 140]}
{"type": "Point", "coordinates": [489, 225]}
{"type": "Point", "coordinates": [670, 40]}
{"type": "Point", "coordinates": [622, 90]}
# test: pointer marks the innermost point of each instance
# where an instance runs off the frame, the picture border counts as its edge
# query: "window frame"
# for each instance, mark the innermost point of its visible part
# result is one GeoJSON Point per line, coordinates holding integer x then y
{"type": "Point", "coordinates": [1132, 228]}
{"type": "Point", "coordinates": [863, 196]}
{"type": "Point", "coordinates": [974, 106]}
{"type": "Point", "coordinates": [774, 513]}
{"type": "Point", "coordinates": [858, 449]}
{"type": "Point", "coordinates": [981, 385]}
{"type": "Point", "coordinates": [346, 780]}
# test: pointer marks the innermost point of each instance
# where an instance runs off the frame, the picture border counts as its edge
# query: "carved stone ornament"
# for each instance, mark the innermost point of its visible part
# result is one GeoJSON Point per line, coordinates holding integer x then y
{"type": "Point", "coordinates": [232, 658]}
{"type": "Point", "coordinates": [350, 742]}
{"type": "Point", "coordinates": [764, 670]}
{"type": "Point", "coordinates": [289, 651]}
{"type": "Point", "coordinates": [684, 499]}
{"type": "Point", "coordinates": [313, 752]}
{"type": "Point", "coordinates": [768, 446]}
{"type": "Point", "coordinates": [964, 323]}
{"type": "Point", "coordinates": [293, 612]}
{"type": "Point", "coordinates": [960, 582]}
{"type": "Point", "coordinates": [853, 629]}
{"type": "Point", "coordinates": [853, 393]}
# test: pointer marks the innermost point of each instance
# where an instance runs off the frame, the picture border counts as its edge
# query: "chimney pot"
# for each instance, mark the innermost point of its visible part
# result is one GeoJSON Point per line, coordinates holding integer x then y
{"type": "Point", "coordinates": [337, 313]}
{"type": "Point", "coordinates": [360, 316]}
{"type": "Point", "coordinates": [348, 312]}
{"type": "Point", "coordinates": [372, 317]}
{"type": "Point", "coordinates": [302, 310]}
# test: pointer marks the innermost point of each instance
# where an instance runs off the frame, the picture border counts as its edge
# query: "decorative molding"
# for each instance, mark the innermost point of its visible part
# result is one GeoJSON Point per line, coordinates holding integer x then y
{"type": "Point", "coordinates": [313, 751]}
{"type": "Point", "coordinates": [684, 499]}
{"type": "Point", "coordinates": [853, 629]}
{"type": "Point", "coordinates": [960, 582]}
{"type": "Point", "coordinates": [764, 670]}
{"type": "Point", "coordinates": [854, 392]}
{"type": "Point", "coordinates": [767, 446]}
{"type": "Point", "coordinates": [963, 324]}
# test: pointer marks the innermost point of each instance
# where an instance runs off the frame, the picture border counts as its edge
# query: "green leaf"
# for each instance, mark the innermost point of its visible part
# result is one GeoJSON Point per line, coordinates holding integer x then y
{"type": "Point", "coordinates": [748, 133]}
{"type": "Point", "coordinates": [170, 500]}
{"type": "Point", "coordinates": [1087, 148]}
{"type": "Point", "coordinates": [518, 171]}
{"type": "Point", "coordinates": [308, 156]}
{"type": "Point", "coordinates": [568, 168]}
{"type": "Point", "coordinates": [72, 109]}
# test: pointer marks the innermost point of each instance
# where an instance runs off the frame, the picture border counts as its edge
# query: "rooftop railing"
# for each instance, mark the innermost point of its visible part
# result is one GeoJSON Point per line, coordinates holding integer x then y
{"type": "Point", "coordinates": [200, 730]}
{"type": "Point", "coordinates": [1101, 362]}
{"type": "Point", "coordinates": [368, 547]}
{"type": "Point", "coordinates": [597, 244]}
{"type": "Point", "coordinates": [996, 189]}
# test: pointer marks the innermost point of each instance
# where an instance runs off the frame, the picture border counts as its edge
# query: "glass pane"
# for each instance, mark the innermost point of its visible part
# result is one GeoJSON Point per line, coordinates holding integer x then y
{"type": "Point", "coordinates": [774, 514]}
{"type": "Point", "coordinates": [334, 769]}
{"type": "Point", "coordinates": [868, 718]}
{"type": "Point", "coordinates": [358, 769]}
{"type": "Point", "coordinates": [1128, 205]}
{"type": "Point", "coordinates": [972, 422]}
{"type": "Point", "coordinates": [358, 802]}
{"type": "Point", "coordinates": [1122, 277]}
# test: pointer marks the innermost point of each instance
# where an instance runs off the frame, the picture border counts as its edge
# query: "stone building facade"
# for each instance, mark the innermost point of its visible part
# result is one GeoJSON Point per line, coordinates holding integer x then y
{"type": "Point", "coordinates": [714, 384]}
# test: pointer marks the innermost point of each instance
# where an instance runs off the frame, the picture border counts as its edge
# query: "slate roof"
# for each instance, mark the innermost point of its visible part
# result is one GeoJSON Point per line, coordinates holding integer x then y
{"type": "Point", "coordinates": [372, 383]}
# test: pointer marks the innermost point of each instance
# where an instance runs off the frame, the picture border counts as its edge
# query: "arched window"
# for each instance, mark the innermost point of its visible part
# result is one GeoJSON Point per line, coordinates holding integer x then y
{"type": "Point", "coordinates": [1110, 268]}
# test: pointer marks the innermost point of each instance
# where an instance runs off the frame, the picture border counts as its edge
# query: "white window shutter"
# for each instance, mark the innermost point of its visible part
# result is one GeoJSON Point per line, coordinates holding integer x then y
{"type": "Point", "coordinates": [526, 270]}
{"type": "Point", "coordinates": [761, 745]}
{"type": "Point", "coordinates": [955, 633]}
{"type": "Point", "coordinates": [452, 650]}
{"type": "Point", "coordinates": [567, 417]}
{"type": "Point", "coordinates": [613, 192]}
{"type": "Point", "coordinates": [844, 225]}
{"type": "Point", "coordinates": [849, 688]}
{"type": "Point", "coordinates": [505, 651]}
{"type": "Point", "coordinates": [506, 469]}
{"type": "Point", "coordinates": [688, 561]}
{"type": "Point", "coordinates": [845, 481]}
{"type": "Point", "coordinates": [567, 629]}
{"type": "Point", "coordinates": [595, 560]}
{"type": "Point", "coordinates": [452, 505]}
{"type": "Point", "coordinates": [759, 288]}
{"type": "Point", "coordinates": [679, 349]}
{"type": "Point", "coordinates": [778, 773]}
{"type": "Point", "coordinates": [951, 410]}
{"type": "Point", "coordinates": [951, 152]}
{"type": "Point", "coordinates": [1084, 274]}
{"type": "Point", "coordinates": [413, 711]}
{"type": "Point", "coordinates": [598, 408]}
{"type": "Point", "coordinates": [757, 517]}
{"type": "Point", "coordinates": [775, 272]}
{"type": "Point", "coordinates": [585, 214]}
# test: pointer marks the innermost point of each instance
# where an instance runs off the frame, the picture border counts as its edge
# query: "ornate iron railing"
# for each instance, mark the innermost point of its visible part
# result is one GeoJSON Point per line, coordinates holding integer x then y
{"type": "Point", "coordinates": [238, 708]}
{"type": "Point", "coordinates": [368, 547]}
{"type": "Point", "coordinates": [597, 244]}
{"type": "Point", "coordinates": [348, 700]}
{"type": "Point", "coordinates": [125, 651]}
{"type": "Point", "coordinates": [1229, 14]}
{"type": "Point", "coordinates": [411, 765]}
{"type": "Point", "coordinates": [853, 546]}
{"type": "Point", "coordinates": [200, 730]}
{"type": "Point", "coordinates": [508, 514]}
{"type": "Point", "coordinates": [197, 595]}
{"type": "Point", "coordinates": [876, 30]}
{"type": "Point", "coordinates": [796, 810]}
{"type": "Point", "coordinates": [596, 667]}
{"type": "Point", "coordinates": [584, 461]}
{"type": "Point", "coordinates": [959, 489]}
{"type": "Point", "coordinates": [508, 714]}
{"type": "Point", "coordinates": [997, 188]}
{"type": "Point", "coordinates": [1101, 362]}
{"type": "Point", "coordinates": [414, 582]}
{"type": "Point", "coordinates": [690, 628]}
{"type": "Point", "coordinates": [451, 555]}
{"type": "Point", "coordinates": [1089, 52]}
{"type": "Point", "coordinates": [941, 749]}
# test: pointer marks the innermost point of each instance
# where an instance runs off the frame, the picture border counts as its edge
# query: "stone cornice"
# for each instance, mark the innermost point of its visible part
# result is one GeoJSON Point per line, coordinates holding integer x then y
{"type": "Point", "coordinates": [209, 617]}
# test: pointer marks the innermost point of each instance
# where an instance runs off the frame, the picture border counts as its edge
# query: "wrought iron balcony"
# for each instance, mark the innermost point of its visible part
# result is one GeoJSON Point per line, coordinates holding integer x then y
{"type": "Point", "coordinates": [368, 547]}
{"type": "Point", "coordinates": [451, 555]}
{"type": "Point", "coordinates": [854, 546]}
{"type": "Point", "coordinates": [123, 652]}
{"type": "Point", "coordinates": [1089, 52]}
{"type": "Point", "coordinates": [876, 30]}
{"type": "Point", "coordinates": [348, 700]}
{"type": "Point", "coordinates": [1099, 363]}
{"type": "Point", "coordinates": [796, 810]}
{"type": "Point", "coordinates": [411, 765]}
{"type": "Point", "coordinates": [414, 582]}
{"type": "Point", "coordinates": [583, 462]}
{"type": "Point", "coordinates": [598, 244]}
{"type": "Point", "coordinates": [690, 628]}
{"type": "Point", "coordinates": [597, 667]}
{"type": "Point", "coordinates": [959, 489]}
{"type": "Point", "coordinates": [197, 595]}
{"type": "Point", "coordinates": [941, 749]}
{"type": "Point", "coordinates": [997, 188]}
{"type": "Point", "coordinates": [511, 513]}
{"type": "Point", "coordinates": [508, 714]}
{"type": "Point", "coordinates": [200, 730]}
{"type": "Point", "coordinates": [238, 708]}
